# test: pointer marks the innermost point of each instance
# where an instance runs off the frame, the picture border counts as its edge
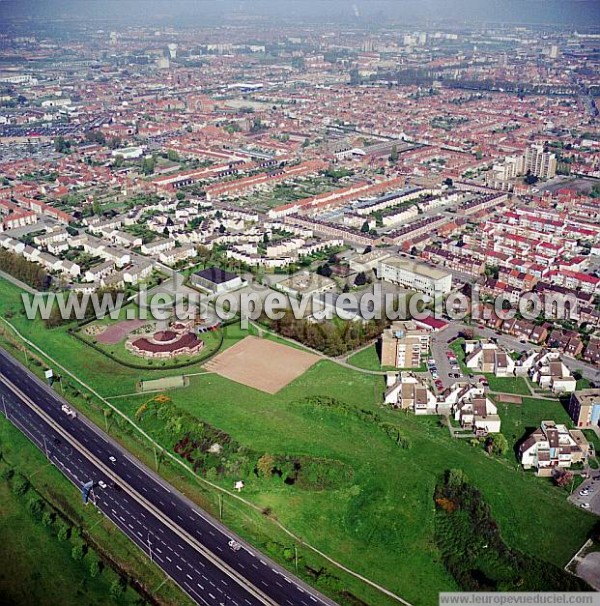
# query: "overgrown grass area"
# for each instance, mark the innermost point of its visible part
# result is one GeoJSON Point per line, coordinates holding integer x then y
{"type": "Point", "coordinates": [474, 551]}
{"type": "Point", "coordinates": [378, 516]}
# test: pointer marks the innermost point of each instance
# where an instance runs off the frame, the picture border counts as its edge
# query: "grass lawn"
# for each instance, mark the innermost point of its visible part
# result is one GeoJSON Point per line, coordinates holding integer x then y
{"type": "Point", "coordinates": [513, 385]}
{"type": "Point", "coordinates": [367, 359]}
{"type": "Point", "coordinates": [382, 524]}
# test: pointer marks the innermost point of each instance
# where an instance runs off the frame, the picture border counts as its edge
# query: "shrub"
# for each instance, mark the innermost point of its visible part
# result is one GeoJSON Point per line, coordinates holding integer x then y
{"type": "Point", "coordinates": [117, 589]}
{"type": "Point", "coordinates": [78, 552]}
{"type": "Point", "coordinates": [48, 518]}
{"type": "Point", "coordinates": [20, 484]}
{"type": "Point", "coordinates": [35, 506]}
{"type": "Point", "coordinates": [63, 532]}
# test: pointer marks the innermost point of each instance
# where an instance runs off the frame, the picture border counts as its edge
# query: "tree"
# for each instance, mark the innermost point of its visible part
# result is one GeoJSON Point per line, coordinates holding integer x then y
{"type": "Point", "coordinates": [394, 154]}
{"type": "Point", "coordinates": [496, 444]}
{"type": "Point", "coordinates": [563, 479]}
{"type": "Point", "coordinates": [61, 145]}
{"type": "Point", "coordinates": [448, 182]}
{"type": "Point", "coordinates": [63, 532]}
{"type": "Point", "coordinates": [20, 485]}
{"type": "Point", "coordinates": [365, 227]}
{"type": "Point", "coordinates": [180, 195]}
{"type": "Point", "coordinates": [530, 179]}
{"type": "Point", "coordinates": [35, 506]}
{"type": "Point", "coordinates": [172, 155]}
{"type": "Point", "coordinates": [48, 518]}
{"type": "Point", "coordinates": [325, 270]}
{"type": "Point", "coordinates": [114, 143]}
{"type": "Point", "coordinates": [265, 465]}
{"type": "Point", "coordinates": [148, 165]}
{"type": "Point", "coordinates": [361, 279]}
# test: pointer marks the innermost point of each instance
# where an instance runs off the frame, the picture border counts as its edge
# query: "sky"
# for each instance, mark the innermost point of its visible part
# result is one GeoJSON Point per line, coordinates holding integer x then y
{"type": "Point", "coordinates": [196, 12]}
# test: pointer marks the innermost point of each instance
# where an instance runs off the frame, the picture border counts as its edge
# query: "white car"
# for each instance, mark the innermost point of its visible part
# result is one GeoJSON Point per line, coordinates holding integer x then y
{"type": "Point", "coordinates": [112, 459]}
{"type": "Point", "coordinates": [234, 545]}
{"type": "Point", "coordinates": [101, 484]}
{"type": "Point", "coordinates": [68, 411]}
{"type": "Point", "coordinates": [584, 493]}
{"type": "Point", "coordinates": [585, 506]}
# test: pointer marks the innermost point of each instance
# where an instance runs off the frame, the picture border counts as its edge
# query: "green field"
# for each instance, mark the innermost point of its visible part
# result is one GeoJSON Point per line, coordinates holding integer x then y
{"type": "Point", "coordinates": [381, 524]}
{"type": "Point", "coordinates": [367, 358]}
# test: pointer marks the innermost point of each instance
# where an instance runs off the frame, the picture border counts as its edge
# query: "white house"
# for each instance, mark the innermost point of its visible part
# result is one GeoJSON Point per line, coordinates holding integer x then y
{"type": "Point", "coordinates": [477, 412]}
{"type": "Point", "coordinates": [409, 392]}
{"type": "Point", "coordinates": [487, 357]}
{"type": "Point", "coordinates": [552, 446]}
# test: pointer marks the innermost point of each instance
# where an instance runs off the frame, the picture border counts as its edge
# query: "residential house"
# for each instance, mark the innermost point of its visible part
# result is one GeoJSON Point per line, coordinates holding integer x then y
{"type": "Point", "coordinates": [409, 392]}
{"type": "Point", "coordinates": [584, 407]}
{"type": "Point", "coordinates": [487, 357]}
{"type": "Point", "coordinates": [552, 446]}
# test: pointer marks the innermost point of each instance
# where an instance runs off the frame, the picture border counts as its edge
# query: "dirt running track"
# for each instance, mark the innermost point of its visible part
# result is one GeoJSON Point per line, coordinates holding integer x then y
{"type": "Point", "coordinates": [261, 364]}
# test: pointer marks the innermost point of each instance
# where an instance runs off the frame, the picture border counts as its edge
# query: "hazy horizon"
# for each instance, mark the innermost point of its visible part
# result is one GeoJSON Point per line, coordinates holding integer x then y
{"type": "Point", "coordinates": [578, 13]}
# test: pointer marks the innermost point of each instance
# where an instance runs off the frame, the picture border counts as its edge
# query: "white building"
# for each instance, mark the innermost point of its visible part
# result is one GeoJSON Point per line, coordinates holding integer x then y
{"type": "Point", "coordinates": [414, 275]}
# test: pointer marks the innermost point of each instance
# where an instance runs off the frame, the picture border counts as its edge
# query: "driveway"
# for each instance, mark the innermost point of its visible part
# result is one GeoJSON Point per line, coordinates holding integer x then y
{"type": "Point", "coordinates": [439, 347]}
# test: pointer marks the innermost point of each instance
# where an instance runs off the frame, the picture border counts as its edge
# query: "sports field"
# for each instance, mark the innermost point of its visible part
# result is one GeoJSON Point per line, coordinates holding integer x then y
{"type": "Point", "coordinates": [261, 364]}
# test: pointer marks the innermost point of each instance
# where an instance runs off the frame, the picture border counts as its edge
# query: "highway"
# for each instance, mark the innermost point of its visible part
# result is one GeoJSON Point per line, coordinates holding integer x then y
{"type": "Point", "coordinates": [187, 543]}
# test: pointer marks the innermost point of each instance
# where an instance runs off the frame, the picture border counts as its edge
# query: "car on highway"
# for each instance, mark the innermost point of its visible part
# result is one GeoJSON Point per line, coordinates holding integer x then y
{"type": "Point", "coordinates": [234, 545]}
{"type": "Point", "coordinates": [102, 484]}
{"type": "Point", "coordinates": [68, 411]}
{"type": "Point", "coordinates": [112, 459]}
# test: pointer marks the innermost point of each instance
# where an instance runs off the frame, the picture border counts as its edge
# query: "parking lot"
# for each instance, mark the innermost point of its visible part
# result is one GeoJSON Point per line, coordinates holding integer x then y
{"type": "Point", "coordinates": [587, 496]}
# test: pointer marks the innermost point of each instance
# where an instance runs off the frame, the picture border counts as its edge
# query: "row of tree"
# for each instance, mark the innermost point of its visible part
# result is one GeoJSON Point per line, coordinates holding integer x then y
{"type": "Point", "coordinates": [24, 270]}
{"type": "Point", "coordinates": [331, 338]}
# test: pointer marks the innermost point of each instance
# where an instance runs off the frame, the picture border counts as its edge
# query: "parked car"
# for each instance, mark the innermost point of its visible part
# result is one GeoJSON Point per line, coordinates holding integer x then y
{"type": "Point", "coordinates": [585, 506]}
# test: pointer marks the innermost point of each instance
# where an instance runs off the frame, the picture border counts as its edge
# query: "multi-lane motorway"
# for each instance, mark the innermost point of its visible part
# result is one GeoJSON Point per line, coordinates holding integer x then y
{"type": "Point", "coordinates": [188, 544]}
